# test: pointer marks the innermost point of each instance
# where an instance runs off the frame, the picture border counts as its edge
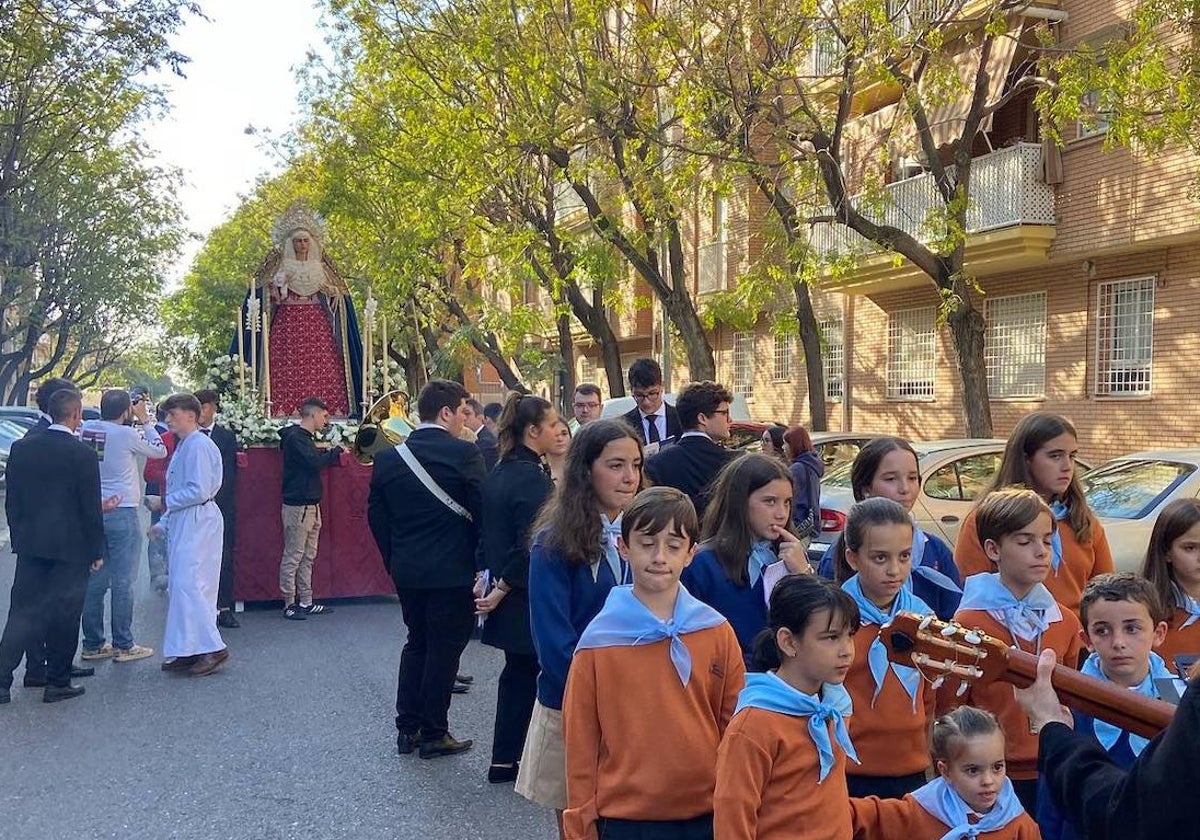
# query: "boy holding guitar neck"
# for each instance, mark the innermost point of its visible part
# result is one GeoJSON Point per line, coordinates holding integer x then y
{"type": "Point", "coordinates": [1015, 529]}
{"type": "Point", "coordinates": [1123, 619]}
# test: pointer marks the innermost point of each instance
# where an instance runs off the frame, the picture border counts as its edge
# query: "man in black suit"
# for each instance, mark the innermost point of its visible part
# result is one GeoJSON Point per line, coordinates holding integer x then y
{"type": "Point", "coordinates": [651, 418]}
{"type": "Point", "coordinates": [226, 441]}
{"type": "Point", "coordinates": [425, 518]}
{"type": "Point", "coordinates": [57, 530]}
{"type": "Point", "coordinates": [485, 438]}
{"type": "Point", "coordinates": [693, 463]}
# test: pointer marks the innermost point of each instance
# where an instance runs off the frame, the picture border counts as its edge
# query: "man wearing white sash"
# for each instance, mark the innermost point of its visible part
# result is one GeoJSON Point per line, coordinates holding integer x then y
{"type": "Point", "coordinates": [195, 533]}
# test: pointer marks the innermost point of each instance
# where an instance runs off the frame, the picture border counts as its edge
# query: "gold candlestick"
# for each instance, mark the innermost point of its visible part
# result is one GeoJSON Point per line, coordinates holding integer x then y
{"type": "Point", "coordinates": [241, 360]}
{"type": "Point", "coordinates": [383, 348]}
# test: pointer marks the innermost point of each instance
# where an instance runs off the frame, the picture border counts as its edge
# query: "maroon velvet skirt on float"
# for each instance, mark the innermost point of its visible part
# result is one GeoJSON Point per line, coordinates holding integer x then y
{"type": "Point", "coordinates": [306, 360]}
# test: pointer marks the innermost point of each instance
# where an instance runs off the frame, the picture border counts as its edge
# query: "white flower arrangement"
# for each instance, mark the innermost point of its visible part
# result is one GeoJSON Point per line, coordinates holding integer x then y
{"type": "Point", "coordinates": [375, 380]}
{"type": "Point", "coordinates": [222, 376]}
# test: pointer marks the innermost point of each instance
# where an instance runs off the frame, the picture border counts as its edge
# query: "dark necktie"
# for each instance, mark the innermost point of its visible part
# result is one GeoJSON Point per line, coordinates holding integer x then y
{"type": "Point", "coordinates": [207, 432]}
{"type": "Point", "coordinates": [652, 426]}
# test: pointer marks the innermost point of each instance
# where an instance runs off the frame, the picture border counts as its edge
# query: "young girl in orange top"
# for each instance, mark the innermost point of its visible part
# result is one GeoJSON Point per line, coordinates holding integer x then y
{"type": "Point", "coordinates": [893, 705]}
{"type": "Point", "coordinates": [1040, 455]}
{"type": "Point", "coordinates": [1173, 566]}
{"type": "Point", "coordinates": [971, 797]}
{"type": "Point", "coordinates": [781, 768]}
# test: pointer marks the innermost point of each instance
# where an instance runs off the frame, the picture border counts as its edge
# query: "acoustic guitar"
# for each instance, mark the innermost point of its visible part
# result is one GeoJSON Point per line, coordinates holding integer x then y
{"type": "Point", "coordinates": [946, 652]}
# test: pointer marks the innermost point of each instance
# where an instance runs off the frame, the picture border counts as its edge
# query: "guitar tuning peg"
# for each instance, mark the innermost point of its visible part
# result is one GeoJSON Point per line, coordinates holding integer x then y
{"type": "Point", "coordinates": [937, 683]}
{"type": "Point", "coordinates": [973, 638]}
{"type": "Point", "coordinates": [949, 630]}
{"type": "Point", "coordinates": [925, 622]}
{"type": "Point", "coordinates": [962, 689]}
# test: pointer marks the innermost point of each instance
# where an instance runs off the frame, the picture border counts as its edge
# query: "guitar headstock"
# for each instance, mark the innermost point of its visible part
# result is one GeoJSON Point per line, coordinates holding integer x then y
{"type": "Point", "coordinates": [944, 651]}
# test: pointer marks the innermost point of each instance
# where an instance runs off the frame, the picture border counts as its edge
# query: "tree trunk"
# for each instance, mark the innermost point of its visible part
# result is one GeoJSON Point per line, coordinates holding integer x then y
{"type": "Point", "coordinates": [566, 350]}
{"type": "Point", "coordinates": [967, 326]}
{"type": "Point", "coordinates": [682, 312]}
{"type": "Point", "coordinates": [814, 369]}
{"type": "Point", "coordinates": [610, 354]}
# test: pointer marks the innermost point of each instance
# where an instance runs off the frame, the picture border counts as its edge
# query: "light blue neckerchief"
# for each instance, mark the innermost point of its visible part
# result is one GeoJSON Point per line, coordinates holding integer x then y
{"type": "Point", "coordinates": [608, 543]}
{"type": "Point", "coordinates": [761, 556]}
{"type": "Point", "coordinates": [877, 658]}
{"type": "Point", "coordinates": [769, 692]}
{"type": "Point", "coordinates": [1060, 514]}
{"type": "Point", "coordinates": [1106, 733]}
{"type": "Point", "coordinates": [1188, 604]}
{"type": "Point", "coordinates": [945, 805]}
{"type": "Point", "coordinates": [624, 621]}
{"type": "Point", "coordinates": [930, 573]}
{"type": "Point", "coordinates": [1026, 618]}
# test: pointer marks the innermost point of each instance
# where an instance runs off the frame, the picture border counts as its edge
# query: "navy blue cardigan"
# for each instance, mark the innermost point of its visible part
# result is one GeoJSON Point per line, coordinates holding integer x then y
{"type": "Point", "coordinates": [939, 556]}
{"type": "Point", "coordinates": [744, 606]}
{"type": "Point", "coordinates": [563, 600]}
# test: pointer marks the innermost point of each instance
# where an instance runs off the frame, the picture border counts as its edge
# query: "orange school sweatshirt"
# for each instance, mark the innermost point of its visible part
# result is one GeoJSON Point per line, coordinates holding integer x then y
{"type": "Point", "coordinates": [1022, 745]}
{"type": "Point", "coordinates": [905, 819]}
{"type": "Point", "coordinates": [767, 782]}
{"type": "Point", "coordinates": [1180, 639]}
{"type": "Point", "coordinates": [1080, 562]}
{"type": "Point", "coordinates": [640, 744]}
{"type": "Point", "coordinates": [890, 737]}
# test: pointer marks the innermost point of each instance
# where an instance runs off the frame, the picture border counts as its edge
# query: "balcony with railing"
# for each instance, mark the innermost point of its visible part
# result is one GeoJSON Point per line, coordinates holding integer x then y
{"type": "Point", "coordinates": [1010, 216]}
{"type": "Point", "coordinates": [712, 267]}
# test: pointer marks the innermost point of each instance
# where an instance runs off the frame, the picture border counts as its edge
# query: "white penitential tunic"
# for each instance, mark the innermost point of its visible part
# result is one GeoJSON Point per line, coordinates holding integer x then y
{"type": "Point", "coordinates": [195, 531]}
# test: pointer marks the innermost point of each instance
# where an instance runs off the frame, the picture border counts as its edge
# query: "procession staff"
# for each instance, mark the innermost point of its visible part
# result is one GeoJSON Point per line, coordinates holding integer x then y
{"type": "Point", "coordinates": [195, 531]}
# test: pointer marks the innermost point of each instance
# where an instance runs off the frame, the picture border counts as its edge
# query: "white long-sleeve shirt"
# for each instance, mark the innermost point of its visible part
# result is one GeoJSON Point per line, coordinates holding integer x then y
{"type": "Point", "coordinates": [118, 448]}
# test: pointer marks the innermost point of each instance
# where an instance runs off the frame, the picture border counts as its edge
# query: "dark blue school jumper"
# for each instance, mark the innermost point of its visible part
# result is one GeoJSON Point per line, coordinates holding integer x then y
{"type": "Point", "coordinates": [743, 606]}
{"type": "Point", "coordinates": [938, 556]}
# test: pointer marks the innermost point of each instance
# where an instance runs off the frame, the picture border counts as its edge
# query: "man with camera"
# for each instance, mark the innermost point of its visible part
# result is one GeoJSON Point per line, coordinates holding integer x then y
{"type": "Point", "coordinates": [123, 433]}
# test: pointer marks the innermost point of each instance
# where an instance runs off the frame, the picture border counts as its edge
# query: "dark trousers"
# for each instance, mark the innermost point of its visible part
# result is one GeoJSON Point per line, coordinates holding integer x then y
{"type": "Point", "coordinates": [439, 623]}
{"type": "Point", "coordinates": [225, 586]}
{"type": "Point", "coordinates": [885, 787]}
{"type": "Point", "coordinates": [45, 606]}
{"type": "Point", "coordinates": [697, 828]}
{"type": "Point", "coordinates": [515, 694]}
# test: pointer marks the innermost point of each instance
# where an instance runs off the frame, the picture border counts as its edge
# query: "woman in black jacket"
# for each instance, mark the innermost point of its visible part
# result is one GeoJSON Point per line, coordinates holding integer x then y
{"type": "Point", "coordinates": [512, 496]}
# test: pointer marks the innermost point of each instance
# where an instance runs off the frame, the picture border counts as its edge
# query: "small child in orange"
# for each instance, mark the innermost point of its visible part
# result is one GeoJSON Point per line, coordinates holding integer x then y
{"type": "Point", "coordinates": [1015, 531]}
{"type": "Point", "coordinates": [1173, 566]}
{"type": "Point", "coordinates": [972, 796]}
{"type": "Point", "coordinates": [782, 762]}
{"type": "Point", "coordinates": [652, 686]}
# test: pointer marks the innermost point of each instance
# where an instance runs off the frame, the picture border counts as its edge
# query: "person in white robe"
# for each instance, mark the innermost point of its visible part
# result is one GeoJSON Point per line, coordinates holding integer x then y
{"type": "Point", "coordinates": [195, 530]}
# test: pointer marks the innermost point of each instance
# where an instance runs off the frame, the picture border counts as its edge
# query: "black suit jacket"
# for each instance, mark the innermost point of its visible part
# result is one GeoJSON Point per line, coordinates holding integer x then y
{"type": "Point", "coordinates": [691, 466]}
{"type": "Point", "coordinates": [226, 441]}
{"type": "Point", "coordinates": [53, 498]}
{"type": "Point", "coordinates": [674, 427]}
{"type": "Point", "coordinates": [424, 544]}
{"type": "Point", "coordinates": [489, 447]}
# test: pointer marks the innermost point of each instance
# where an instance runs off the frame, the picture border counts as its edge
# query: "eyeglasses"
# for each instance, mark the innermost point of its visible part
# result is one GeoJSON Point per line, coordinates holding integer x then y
{"type": "Point", "coordinates": [724, 411]}
{"type": "Point", "coordinates": [643, 396]}
{"type": "Point", "coordinates": [588, 406]}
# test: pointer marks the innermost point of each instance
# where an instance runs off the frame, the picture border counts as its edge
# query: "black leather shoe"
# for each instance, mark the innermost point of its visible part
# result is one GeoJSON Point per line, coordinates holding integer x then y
{"type": "Point", "coordinates": [465, 679]}
{"type": "Point", "coordinates": [226, 619]}
{"type": "Point", "coordinates": [407, 742]}
{"type": "Point", "coordinates": [460, 688]}
{"type": "Point", "coordinates": [446, 745]}
{"type": "Point", "coordinates": [35, 682]}
{"type": "Point", "coordinates": [77, 672]}
{"type": "Point", "coordinates": [498, 774]}
{"type": "Point", "coordinates": [5, 696]}
{"type": "Point", "coordinates": [55, 693]}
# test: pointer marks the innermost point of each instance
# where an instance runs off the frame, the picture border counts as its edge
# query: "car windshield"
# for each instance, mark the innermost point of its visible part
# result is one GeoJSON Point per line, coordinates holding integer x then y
{"type": "Point", "coordinates": [838, 475]}
{"type": "Point", "coordinates": [1131, 489]}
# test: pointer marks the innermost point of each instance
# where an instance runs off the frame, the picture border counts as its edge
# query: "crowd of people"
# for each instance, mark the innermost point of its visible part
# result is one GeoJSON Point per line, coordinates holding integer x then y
{"type": "Point", "coordinates": [674, 665]}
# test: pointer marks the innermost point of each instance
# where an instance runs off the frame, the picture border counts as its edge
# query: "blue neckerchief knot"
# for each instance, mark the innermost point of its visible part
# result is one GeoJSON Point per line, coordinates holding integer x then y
{"type": "Point", "coordinates": [624, 621]}
{"type": "Point", "coordinates": [769, 692]}
{"type": "Point", "coordinates": [1026, 618]}
{"type": "Point", "coordinates": [1060, 514]}
{"type": "Point", "coordinates": [877, 658]}
{"type": "Point", "coordinates": [1106, 733]}
{"type": "Point", "coordinates": [1188, 604]}
{"type": "Point", "coordinates": [941, 801]}
{"type": "Point", "coordinates": [608, 545]}
{"type": "Point", "coordinates": [761, 556]}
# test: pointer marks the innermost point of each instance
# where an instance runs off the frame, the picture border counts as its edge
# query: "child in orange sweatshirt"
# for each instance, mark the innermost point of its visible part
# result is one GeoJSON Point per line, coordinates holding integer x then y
{"type": "Point", "coordinates": [1173, 566]}
{"type": "Point", "coordinates": [641, 762]}
{"type": "Point", "coordinates": [782, 762]}
{"type": "Point", "coordinates": [1013, 605]}
{"type": "Point", "coordinates": [971, 797]}
{"type": "Point", "coordinates": [1040, 455]}
{"type": "Point", "coordinates": [893, 705]}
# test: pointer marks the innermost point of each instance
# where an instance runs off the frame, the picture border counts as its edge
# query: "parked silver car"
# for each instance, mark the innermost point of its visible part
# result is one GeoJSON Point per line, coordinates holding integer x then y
{"type": "Point", "coordinates": [1129, 492]}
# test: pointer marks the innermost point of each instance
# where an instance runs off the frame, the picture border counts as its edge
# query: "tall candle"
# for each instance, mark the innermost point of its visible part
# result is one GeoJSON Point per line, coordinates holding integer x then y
{"type": "Point", "coordinates": [241, 360]}
{"type": "Point", "coordinates": [252, 317]}
{"type": "Point", "coordinates": [384, 348]}
{"type": "Point", "coordinates": [266, 316]}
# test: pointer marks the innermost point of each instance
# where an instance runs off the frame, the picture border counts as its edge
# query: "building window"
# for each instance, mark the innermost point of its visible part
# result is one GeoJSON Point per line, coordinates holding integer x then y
{"type": "Point", "coordinates": [1124, 337]}
{"type": "Point", "coordinates": [833, 358]}
{"type": "Point", "coordinates": [912, 354]}
{"type": "Point", "coordinates": [743, 364]}
{"type": "Point", "coordinates": [1015, 345]}
{"type": "Point", "coordinates": [785, 351]}
{"type": "Point", "coordinates": [587, 370]}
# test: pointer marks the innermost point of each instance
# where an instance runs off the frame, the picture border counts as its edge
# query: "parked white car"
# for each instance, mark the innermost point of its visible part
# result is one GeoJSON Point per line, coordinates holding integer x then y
{"type": "Point", "coordinates": [1129, 492]}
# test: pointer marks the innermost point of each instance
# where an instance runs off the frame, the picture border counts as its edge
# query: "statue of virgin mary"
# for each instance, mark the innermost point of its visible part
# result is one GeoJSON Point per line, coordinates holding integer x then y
{"type": "Point", "coordinates": [314, 347]}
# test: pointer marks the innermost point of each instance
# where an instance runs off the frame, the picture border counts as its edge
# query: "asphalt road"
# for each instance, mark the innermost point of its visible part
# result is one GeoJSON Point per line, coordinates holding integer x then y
{"type": "Point", "coordinates": [293, 739]}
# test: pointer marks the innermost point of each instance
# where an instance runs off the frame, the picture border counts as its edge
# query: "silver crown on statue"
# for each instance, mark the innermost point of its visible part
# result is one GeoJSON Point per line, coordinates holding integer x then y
{"type": "Point", "coordinates": [299, 216]}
